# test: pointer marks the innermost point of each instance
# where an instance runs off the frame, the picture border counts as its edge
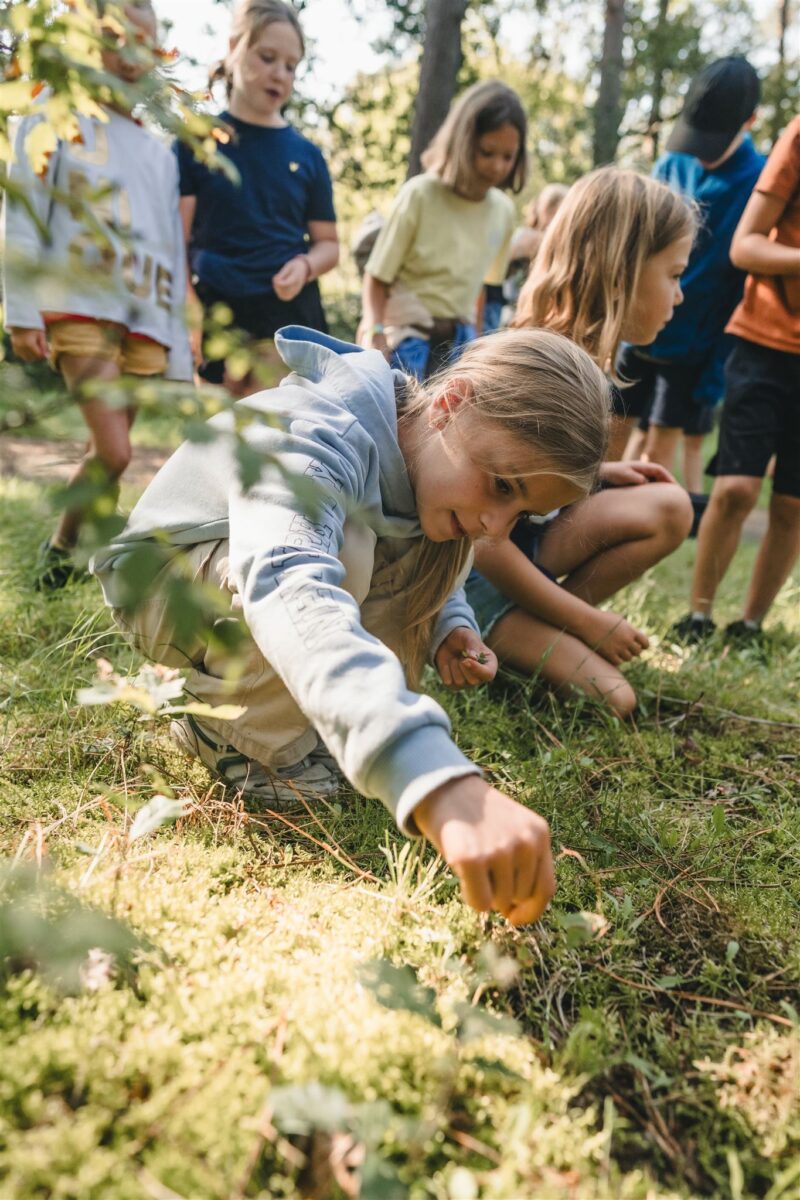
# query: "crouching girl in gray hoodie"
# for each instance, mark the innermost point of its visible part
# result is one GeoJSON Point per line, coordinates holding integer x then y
{"type": "Point", "coordinates": [346, 600]}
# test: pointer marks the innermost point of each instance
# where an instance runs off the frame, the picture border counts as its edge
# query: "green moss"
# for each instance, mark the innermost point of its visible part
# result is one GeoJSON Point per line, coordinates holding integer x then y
{"type": "Point", "coordinates": [681, 831]}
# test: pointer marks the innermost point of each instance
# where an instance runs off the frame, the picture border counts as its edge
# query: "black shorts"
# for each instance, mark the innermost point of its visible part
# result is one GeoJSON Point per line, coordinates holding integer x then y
{"type": "Point", "coordinates": [661, 394]}
{"type": "Point", "coordinates": [260, 317]}
{"type": "Point", "coordinates": [761, 416]}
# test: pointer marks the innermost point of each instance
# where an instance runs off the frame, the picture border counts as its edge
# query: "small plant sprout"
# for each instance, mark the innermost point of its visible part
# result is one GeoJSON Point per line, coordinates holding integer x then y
{"type": "Point", "coordinates": [478, 656]}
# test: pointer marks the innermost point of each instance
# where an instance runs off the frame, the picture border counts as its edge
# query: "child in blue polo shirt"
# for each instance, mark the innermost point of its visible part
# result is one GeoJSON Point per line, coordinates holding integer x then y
{"type": "Point", "coordinates": [259, 245]}
{"type": "Point", "coordinates": [677, 379]}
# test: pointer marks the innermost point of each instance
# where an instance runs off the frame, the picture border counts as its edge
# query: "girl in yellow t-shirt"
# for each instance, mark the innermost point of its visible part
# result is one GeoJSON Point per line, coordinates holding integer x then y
{"type": "Point", "coordinates": [448, 233]}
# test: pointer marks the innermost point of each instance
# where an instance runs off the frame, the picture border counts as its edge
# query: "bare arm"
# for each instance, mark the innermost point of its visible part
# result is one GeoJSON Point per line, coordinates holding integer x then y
{"type": "Point", "coordinates": [374, 295]}
{"type": "Point", "coordinates": [511, 572]}
{"type": "Point", "coordinates": [751, 248]}
{"type": "Point", "coordinates": [515, 576]}
{"type": "Point", "coordinates": [187, 206]}
{"type": "Point", "coordinates": [322, 255]}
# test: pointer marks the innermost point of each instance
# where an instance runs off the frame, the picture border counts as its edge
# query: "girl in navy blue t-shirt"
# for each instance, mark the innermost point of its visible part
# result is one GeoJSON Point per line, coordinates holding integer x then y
{"type": "Point", "coordinates": [259, 246]}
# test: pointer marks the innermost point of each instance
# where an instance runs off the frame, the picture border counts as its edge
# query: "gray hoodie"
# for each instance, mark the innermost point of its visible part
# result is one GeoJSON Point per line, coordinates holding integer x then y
{"type": "Point", "coordinates": [337, 428]}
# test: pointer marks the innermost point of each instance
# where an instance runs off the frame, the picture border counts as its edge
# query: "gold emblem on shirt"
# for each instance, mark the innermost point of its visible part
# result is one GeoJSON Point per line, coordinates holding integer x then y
{"type": "Point", "coordinates": [294, 166]}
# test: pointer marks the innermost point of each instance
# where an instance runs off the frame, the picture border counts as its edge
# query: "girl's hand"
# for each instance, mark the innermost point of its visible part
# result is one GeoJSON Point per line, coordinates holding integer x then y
{"type": "Point", "coordinates": [499, 849]}
{"type": "Point", "coordinates": [613, 637]}
{"type": "Point", "coordinates": [29, 345]}
{"type": "Point", "coordinates": [463, 660]}
{"type": "Point", "coordinates": [292, 277]}
{"type": "Point", "coordinates": [624, 474]}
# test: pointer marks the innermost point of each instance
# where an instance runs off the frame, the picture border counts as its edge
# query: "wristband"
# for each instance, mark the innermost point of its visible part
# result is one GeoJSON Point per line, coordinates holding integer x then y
{"type": "Point", "coordinates": [310, 267]}
{"type": "Point", "coordinates": [377, 328]}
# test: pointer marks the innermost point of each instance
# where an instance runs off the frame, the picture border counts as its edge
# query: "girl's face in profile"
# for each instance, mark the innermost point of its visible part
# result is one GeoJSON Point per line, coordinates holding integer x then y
{"type": "Point", "coordinates": [263, 72]}
{"type": "Point", "coordinates": [495, 155]}
{"type": "Point", "coordinates": [464, 481]}
{"type": "Point", "coordinates": [658, 293]}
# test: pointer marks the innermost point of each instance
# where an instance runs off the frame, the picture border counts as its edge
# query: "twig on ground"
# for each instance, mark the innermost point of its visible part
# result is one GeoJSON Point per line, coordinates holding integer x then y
{"type": "Point", "coordinates": [681, 995]}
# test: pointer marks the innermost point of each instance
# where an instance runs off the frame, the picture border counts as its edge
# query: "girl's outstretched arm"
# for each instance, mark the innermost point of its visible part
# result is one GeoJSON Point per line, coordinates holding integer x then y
{"type": "Point", "coordinates": [499, 849]}
{"type": "Point", "coordinates": [505, 565]}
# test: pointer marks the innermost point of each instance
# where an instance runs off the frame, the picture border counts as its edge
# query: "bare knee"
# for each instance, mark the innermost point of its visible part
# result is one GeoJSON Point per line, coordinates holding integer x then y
{"type": "Point", "coordinates": [735, 495]}
{"type": "Point", "coordinates": [784, 513]}
{"type": "Point", "coordinates": [676, 513]}
{"type": "Point", "coordinates": [114, 459]}
{"type": "Point", "coordinates": [667, 515]}
{"type": "Point", "coordinates": [622, 700]}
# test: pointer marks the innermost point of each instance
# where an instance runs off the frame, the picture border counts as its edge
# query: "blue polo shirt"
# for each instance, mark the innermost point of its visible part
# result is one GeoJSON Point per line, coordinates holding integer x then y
{"type": "Point", "coordinates": [243, 233]}
{"type": "Point", "coordinates": [712, 286]}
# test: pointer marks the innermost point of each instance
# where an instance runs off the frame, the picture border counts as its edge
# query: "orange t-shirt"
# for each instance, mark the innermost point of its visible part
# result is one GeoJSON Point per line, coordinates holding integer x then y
{"type": "Point", "coordinates": [770, 309]}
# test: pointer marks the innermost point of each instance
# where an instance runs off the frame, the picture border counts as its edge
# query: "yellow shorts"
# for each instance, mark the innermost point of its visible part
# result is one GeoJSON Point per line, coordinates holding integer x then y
{"type": "Point", "coordinates": [108, 341]}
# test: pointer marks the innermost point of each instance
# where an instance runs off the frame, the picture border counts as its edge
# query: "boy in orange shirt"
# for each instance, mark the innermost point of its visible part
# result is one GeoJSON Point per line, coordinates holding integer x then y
{"type": "Point", "coordinates": [761, 414]}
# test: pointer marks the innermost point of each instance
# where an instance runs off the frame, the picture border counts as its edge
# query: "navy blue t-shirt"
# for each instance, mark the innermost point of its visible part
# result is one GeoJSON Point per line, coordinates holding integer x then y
{"type": "Point", "coordinates": [712, 286]}
{"type": "Point", "coordinates": [244, 233]}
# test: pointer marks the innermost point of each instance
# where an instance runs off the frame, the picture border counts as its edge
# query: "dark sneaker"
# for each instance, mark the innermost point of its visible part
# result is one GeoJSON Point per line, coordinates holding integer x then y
{"type": "Point", "coordinates": [313, 778]}
{"type": "Point", "coordinates": [55, 568]}
{"type": "Point", "coordinates": [744, 636]}
{"type": "Point", "coordinates": [692, 630]}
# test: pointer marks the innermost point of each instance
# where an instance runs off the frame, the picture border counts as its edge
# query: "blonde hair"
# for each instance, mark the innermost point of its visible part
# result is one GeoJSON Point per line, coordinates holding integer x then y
{"type": "Point", "coordinates": [585, 277]}
{"type": "Point", "coordinates": [482, 109]}
{"type": "Point", "coordinates": [250, 19]}
{"type": "Point", "coordinates": [549, 199]}
{"type": "Point", "coordinates": [553, 400]}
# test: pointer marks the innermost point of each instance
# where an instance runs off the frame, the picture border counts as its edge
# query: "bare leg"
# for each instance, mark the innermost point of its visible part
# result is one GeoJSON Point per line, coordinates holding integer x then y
{"type": "Point", "coordinates": [609, 539]}
{"type": "Point", "coordinates": [732, 498]}
{"type": "Point", "coordinates": [620, 429]}
{"type": "Point", "coordinates": [693, 461]}
{"type": "Point", "coordinates": [661, 445]}
{"type": "Point", "coordinates": [532, 646]}
{"type": "Point", "coordinates": [635, 448]}
{"type": "Point", "coordinates": [266, 370]}
{"type": "Point", "coordinates": [776, 556]}
{"type": "Point", "coordinates": [109, 449]}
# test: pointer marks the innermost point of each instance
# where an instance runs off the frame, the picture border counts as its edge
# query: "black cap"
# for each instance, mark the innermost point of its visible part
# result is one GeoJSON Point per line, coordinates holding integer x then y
{"type": "Point", "coordinates": [719, 101]}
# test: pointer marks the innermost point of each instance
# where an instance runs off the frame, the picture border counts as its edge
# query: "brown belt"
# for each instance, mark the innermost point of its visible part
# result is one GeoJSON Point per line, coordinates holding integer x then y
{"type": "Point", "coordinates": [443, 329]}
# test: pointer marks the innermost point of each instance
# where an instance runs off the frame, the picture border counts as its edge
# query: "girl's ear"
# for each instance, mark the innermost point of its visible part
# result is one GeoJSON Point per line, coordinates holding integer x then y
{"type": "Point", "coordinates": [448, 400]}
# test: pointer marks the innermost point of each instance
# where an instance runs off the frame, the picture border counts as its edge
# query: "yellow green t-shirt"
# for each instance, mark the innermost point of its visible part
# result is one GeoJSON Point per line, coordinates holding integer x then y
{"type": "Point", "coordinates": [443, 247]}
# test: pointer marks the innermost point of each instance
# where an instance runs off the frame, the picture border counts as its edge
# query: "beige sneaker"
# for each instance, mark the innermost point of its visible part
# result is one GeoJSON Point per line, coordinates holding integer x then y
{"type": "Point", "coordinates": [313, 778]}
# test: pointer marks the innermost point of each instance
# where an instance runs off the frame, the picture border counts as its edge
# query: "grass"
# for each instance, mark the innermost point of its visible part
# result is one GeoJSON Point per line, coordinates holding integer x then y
{"type": "Point", "coordinates": [654, 1052]}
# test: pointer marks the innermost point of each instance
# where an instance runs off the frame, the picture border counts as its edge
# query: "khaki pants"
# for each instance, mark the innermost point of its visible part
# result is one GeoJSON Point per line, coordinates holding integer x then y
{"type": "Point", "coordinates": [273, 730]}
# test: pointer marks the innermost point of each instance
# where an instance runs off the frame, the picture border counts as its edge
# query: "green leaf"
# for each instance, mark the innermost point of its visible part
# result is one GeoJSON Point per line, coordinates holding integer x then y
{"type": "Point", "coordinates": [478, 1022]}
{"type": "Point", "coordinates": [718, 818]}
{"type": "Point", "coordinates": [668, 981]}
{"type": "Point", "coordinates": [379, 1180]}
{"type": "Point", "coordinates": [157, 812]}
{"type": "Point", "coordinates": [398, 988]}
{"type": "Point", "coordinates": [580, 927]}
{"type": "Point", "coordinates": [251, 464]}
{"type": "Point", "coordinates": [303, 1108]}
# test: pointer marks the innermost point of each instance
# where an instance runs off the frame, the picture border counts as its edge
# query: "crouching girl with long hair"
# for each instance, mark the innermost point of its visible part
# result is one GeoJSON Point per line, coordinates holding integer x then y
{"type": "Point", "coordinates": [608, 269]}
{"type": "Point", "coordinates": [344, 605]}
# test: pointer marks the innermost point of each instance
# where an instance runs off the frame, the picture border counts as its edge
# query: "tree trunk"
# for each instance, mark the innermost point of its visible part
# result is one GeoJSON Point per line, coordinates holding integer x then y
{"type": "Point", "coordinates": [783, 20]}
{"type": "Point", "coordinates": [441, 60]}
{"type": "Point", "coordinates": [608, 109]}
{"type": "Point", "coordinates": [654, 120]}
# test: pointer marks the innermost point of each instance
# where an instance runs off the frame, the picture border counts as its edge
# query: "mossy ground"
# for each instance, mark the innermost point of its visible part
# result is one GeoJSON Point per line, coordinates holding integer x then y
{"type": "Point", "coordinates": [645, 1064]}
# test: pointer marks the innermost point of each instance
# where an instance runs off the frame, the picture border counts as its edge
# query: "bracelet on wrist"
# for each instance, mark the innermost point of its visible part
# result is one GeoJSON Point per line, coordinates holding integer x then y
{"type": "Point", "coordinates": [377, 328]}
{"type": "Point", "coordinates": [309, 267]}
